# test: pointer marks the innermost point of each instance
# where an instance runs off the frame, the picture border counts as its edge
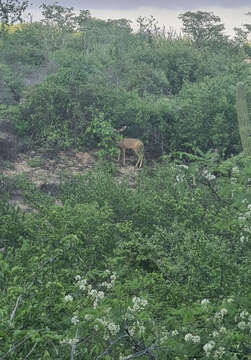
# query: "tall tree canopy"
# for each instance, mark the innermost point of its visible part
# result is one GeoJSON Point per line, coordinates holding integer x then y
{"type": "Point", "coordinates": [202, 27]}
{"type": "Point", "coordinates": [12, 11]}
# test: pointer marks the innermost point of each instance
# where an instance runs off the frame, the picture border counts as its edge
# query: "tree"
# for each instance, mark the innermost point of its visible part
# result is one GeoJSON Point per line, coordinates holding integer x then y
{"type": "Point", "coordinates": [59, 16]}
{"type": "Point", "coordinates": [11, 11]}
{"type": "Point", "coordinates": [148, 28]}
{"type": "Point", "coordinates": [203, 28]}
{"type": "Point", "coordinates": [248, 26]}
{"type": "Point", "coordinates": [243, 119]}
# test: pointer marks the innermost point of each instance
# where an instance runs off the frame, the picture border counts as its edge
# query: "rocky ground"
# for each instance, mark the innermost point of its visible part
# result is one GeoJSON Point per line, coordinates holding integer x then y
{"type": "Point", "coordinates": [44, 168]}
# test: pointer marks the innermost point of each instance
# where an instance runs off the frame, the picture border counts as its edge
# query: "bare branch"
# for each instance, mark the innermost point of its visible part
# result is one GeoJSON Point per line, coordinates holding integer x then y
{"type": "Point", "coordinates": [15, 308]}
{"type": "Point", "coordinates": [106, 352]}
{"type": "Point", "coordinates": [14, 347]}
{"type": "Point", "coordinates": [142, 349]}
{"type": "Point", "coordinates": [73, 346]}
{"type": "Point", "coordinates": [147, 351]}
{"type": "Point", "coordinates": [31, 351]}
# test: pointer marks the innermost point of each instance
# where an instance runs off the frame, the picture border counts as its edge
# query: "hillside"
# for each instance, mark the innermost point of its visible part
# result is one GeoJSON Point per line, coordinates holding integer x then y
{"type": "Point", "coordinates": [104, 261]}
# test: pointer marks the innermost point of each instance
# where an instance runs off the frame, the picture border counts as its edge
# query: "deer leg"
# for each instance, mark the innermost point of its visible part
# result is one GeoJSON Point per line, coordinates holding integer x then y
{"type": "Point", "coordinates": [141, 158]}
{"type": "Point", "coordinates": [139, 154]}
{"type": "Point", "coordinates": [138, 158]}
{"type": "Point", "coordinates": [124, 150]}
{"type": "Point", "coordinates": [140, 162]}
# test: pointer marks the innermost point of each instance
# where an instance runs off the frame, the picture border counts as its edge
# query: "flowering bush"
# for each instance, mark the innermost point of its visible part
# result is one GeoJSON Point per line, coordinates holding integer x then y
{"type": "Point", "coordinates": [162, 271]}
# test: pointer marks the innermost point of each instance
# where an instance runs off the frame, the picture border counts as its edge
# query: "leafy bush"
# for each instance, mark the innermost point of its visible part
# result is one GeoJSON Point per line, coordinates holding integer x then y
{"type": "Point", "coordinates": [117, 265]}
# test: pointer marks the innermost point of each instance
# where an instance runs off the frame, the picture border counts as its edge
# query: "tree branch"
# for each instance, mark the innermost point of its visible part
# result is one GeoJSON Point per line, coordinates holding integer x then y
{"type": "Point", "coordinates": [15, 308]}
{"type": "Point", "coordinates": [31, 351]}
{"type": "Point", "coordinates": [73, 346]}
{"type": "Point", "coordinates": [147, 351]}
{"type": "Point", "coordinates": [14, 347]}
{"type": "Point", "coordinates": [26, 289]}
{"type": "Point", "coordinates": [106, 352]}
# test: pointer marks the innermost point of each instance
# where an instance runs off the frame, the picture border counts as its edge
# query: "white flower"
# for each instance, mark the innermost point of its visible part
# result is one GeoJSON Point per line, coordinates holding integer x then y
{"type": "Point", "coordinates": [196, 339]}
{"type": "Point", "coordinates": [208, 175]}
{"type": "Point", "coordinates": [242, 325]}
{"type": "Point", "coordinates": [215, 333]}
{"type": "Point", "coordinates": [179, 178]}
{"type": "Point", "coordinates": [144, 302]}
{"type": "Point", "coordinates": [208, 347]}
{"type": "Point", "coordinates": [93, 292]}
{"type": "Point", "coordinates": [174, 333]}
{"type": "Point", "coordinates": [244, 314]}
{"type": "Point", "coordinates": [99, 295]}
{"type": "Point", "coordinates": [230, 300]}
{"type": "Point", "coordinates": [77, 277]}
{"type": "Point", "coordinates": [135, 299]}
{"type": "Point", "coordinates": [188, 337]}
{"type": "Point", "coordinates": [219, 353]}
{"type": "Point", "coordinates": [138, 304]}
{"type": "Point", "coordinates": [69, 341]}
{"type": "Point", "coordinates": [242, 239]}
{"type": "Point", "coordinates": [142, 329]}
{"type": "Point", "coordinates": [222, 330]}
{"type": "Point", "coordinates": [88, 317]}
{"type": "Point", "coordinates": [129, 315]}
{"type": "Point", "coordinates": [223, 312]}
{"type": "Point", "coordinates": [235, 170]}
{"type": "Point", "coordinates": [82, 284]}
{"type": "Point", "coordinates": [191, 338]}
{"type": "Point", "coordinates": [204, 302]}
{"type": "Point", "coordinates": [68, 298]}
{"type": "Point", "coordinates": [113, 328]}
{"type": "Point", "coordinates": [75, 320]}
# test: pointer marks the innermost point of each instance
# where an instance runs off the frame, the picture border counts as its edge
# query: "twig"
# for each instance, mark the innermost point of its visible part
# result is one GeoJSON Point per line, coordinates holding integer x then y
{"type": "Point", "coordinates": [14, 347]}
{"type": "Point", "coordinates": [207, 182]}
{"type": "Point", "coordinates": [31, 351]}
{"type": "Point", "coordinates": [73, 346]}
{"type": "Point", "coordinates": [26, 289]}
{"type": "Point", "coordinates": [147, 351]}
{"type": "Point", "coordinates": [15, 308]}
{"type": "Point", "coordinates": [111, 345]}
{"type": "Point", "coordinates": [142, 350]}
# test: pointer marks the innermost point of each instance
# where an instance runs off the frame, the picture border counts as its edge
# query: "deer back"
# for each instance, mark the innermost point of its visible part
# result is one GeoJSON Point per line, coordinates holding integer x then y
{"type": "Point", "coordinates": [129, 143]}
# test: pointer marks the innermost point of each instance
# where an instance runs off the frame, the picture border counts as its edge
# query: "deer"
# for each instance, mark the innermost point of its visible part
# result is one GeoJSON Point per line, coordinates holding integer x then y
{"type": "Point", "coordinates": [133, 144]}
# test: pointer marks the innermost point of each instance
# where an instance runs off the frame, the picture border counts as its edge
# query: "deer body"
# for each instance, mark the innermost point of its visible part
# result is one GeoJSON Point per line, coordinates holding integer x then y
{"type": "Point", "coordinates": [133, 144]}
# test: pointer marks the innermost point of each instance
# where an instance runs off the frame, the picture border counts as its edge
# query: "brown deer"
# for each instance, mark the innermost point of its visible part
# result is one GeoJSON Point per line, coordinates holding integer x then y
{"type": "Point", "coordinates": [133, 144]}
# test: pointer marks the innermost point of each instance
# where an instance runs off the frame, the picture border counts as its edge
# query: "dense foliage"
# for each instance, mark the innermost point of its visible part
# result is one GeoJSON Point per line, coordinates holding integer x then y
{"type": "Point", "coordinates": [172, 92]}
{"type": "Point", "coordinates": [162, 269]}
{"type": "Point", "coordinates": [153, 265]}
